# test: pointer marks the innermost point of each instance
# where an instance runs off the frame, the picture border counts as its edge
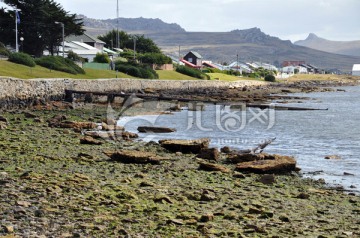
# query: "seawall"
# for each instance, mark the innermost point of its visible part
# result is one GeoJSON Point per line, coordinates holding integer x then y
{"type": "Point", "coordinates": [19, 92]}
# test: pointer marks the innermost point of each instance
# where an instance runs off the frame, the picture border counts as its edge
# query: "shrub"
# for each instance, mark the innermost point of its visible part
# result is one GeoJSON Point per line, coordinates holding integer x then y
{"type": "Point", "coordinates": [75, 57]}
{"type": "Point", "coordinates": [214, 70]}
{"type": "Point", "coordinates": [270, 78]}
{"type": "Point", "coordinates": [136, 70]}
{"type": "Point", "coordinates": [4, 51]}
{"type": "Point", "coordinates": [102, 58]}
{"type": "Point", "coordinates": [60, 64]}
{"type": "Point", "coordinates": [155, 58]}
{"type": "Point", "coordinates": [191, 72]}
{"type": "Point", "coordinates": [22, 58]}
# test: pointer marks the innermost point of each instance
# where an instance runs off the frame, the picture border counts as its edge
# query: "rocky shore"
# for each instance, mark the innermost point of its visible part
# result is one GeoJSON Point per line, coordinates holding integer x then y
{"type": "Point", "coordinates": [59, 180]}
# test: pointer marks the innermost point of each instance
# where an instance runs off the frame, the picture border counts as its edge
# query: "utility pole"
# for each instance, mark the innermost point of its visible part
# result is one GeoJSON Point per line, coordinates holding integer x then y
{"type": "Point", "coordinates": [63, 37]}
{"type": "Point", "coordinates": [17, 20]}
{"type": "Point", "coordinates": [237, 62]}
{"type": "Point", "coordinates": [117, 26]}
{"type": "Point", "coordinates": [134, 48]}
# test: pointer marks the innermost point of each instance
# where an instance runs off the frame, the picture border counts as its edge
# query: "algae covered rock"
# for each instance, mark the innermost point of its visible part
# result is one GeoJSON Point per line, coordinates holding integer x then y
{"type": "Point", "coordinates": [185, 146]}
{"type": "Point", "coordinates": [135, 157]}
{"type": "Point", "coordinates": [270, 164]}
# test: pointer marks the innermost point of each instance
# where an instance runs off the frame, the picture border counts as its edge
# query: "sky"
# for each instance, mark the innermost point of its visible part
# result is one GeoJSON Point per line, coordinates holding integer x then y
{"type": "Point", "coordinates": [287, 19]}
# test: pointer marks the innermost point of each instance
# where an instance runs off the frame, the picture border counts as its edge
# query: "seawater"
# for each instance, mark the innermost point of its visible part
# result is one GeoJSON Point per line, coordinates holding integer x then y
{"type": "Point", "coordinates": [309, 136]}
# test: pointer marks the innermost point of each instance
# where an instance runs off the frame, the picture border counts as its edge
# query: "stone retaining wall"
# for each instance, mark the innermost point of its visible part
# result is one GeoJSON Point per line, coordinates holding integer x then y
{"type": "Point", "coordinates": [21, 92]}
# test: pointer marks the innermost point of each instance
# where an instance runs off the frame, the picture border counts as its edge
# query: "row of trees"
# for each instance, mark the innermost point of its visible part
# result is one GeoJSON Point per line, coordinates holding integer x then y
{"type": "Point", "coordinates": [127, 41]}
{"type": "Point", "coordinates": [37, 25]}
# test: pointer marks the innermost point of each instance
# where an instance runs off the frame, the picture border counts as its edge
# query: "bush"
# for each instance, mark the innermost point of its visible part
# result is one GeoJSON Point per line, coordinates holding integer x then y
{"type": "Point", "coordinates": [135, 70]}
{"type": "Point", "coordinates": [60, 64]}
{"type": "Point", "coordinates": [4, 51]}
{"type": "Point", "coordinates": [155, 58]}
{"type": "Point", "coordinates": [270, 78]}
{"type": "Point", "coordinates": [191, 72]}
{"type": "Point", "coordinates": [75, 57]}
{"type": "Point", "coordinates": [22, 58]}
{"type": "Point", "coordinates": [102, 58]}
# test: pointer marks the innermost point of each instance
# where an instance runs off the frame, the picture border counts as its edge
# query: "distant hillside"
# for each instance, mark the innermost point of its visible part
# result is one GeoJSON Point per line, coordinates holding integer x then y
{"type": "Point", "coordinates": [250, 44]}
{"type": "Point", "coordinates": [131, 25]}
{"type": "Point", "coordinates": [339, 47]}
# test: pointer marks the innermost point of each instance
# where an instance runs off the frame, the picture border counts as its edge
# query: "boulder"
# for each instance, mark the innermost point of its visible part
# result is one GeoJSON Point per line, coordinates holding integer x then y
{"type": "Point", "coordinates": [333, 157]}
{"type": "Point", "coordinates": [77, 125]}
{"type": "Point", "coordinates": [154, 129]}
{"type": "Point", "coordinates": [270, 164]}
{"type": "Point", "coordinates": [111, 127]}
{"type": "Point", "coordinates": [239, 158]}
{"type": "Point", "coordinates": [209, 154]}
{"type": "Point", "coordinates": [267, 179]}
{"type": "Point", "coordinates": [3, 119]}
{"type": "Point", "coordinates": [185, 146]}
{"type": "Point", "coordinates": [90, 141]}
{"type": "Point", "coordinates": [135, 157]}
{"type": "Point", "coordinates": [129, 135]}
{"type": "Point", "coordinates": [213, 167]}
{"type": "Point", "coordinates": [29, 115]}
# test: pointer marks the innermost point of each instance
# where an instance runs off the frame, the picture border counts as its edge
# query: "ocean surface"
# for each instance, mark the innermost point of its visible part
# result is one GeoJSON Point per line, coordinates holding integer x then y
{"type": "Point", "coordinates": [309, 136]}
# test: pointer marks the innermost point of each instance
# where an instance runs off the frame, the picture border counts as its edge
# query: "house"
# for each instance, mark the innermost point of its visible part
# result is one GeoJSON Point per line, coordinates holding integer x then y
{"type": "Point", "coordinates": [87, 39]}
{"type": "Point", "coordinates": [292, 63]}
{"type": "Point", "coordinates": [241, 67]}
{"type": "Point", "coordinates": [82, 49]}
{"type": "Point", "coordinates": [193, 58]}
{"type": "Point", "coordinates": [209, 64]}
{"type": "Point", "coordinates": [294, 70]}
{"type": "Point", "coordinates": [356, 70]}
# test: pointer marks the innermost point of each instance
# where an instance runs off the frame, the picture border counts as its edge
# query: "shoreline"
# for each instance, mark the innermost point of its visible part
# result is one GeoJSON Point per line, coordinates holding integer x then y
{"type": "Point", "coordinates": [54, 185]}
{"type": "Point", "coordinates": [22, 93]}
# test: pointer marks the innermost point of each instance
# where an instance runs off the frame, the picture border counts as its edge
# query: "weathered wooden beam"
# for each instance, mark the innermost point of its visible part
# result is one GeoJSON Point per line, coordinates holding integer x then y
{"type": "Point", "coordinates": [111, 96]}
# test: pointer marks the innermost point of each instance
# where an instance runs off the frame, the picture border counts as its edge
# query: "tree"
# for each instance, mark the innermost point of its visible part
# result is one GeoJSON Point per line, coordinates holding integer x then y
{"type": "Point", "coordinates": [110, 38]}
{"type": "Point", "coordinates": [37, 25]}
{"type": "Point", "coordinates": [101, 58]}
{"type": "Point", "coordinates": [143, 44]}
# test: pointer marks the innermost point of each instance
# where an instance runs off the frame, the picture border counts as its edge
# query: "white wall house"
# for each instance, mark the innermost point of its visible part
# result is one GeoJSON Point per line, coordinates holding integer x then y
{"type": "Point", "coordinates": [356, 70]}
{"type": "Point", "coordinates": [291, 70]}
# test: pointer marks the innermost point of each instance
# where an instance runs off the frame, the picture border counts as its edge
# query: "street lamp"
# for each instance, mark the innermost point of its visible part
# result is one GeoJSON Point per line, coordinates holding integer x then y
{"type": "Point", "coordinates": [22, 43]}
{"type": "Point", "coordinates": [63, 38]}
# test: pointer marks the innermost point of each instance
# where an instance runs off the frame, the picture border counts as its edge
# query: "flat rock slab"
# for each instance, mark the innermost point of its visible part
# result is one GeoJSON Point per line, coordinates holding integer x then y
{"type": "Point", "coordinates": [213, 167]}
{"type": "Point", "coordinates": [77, 125]}
{"type": "Point", "coordinates": [135, 157]}
{"type": "Point", "coordinates": [88, 140]}
{"type": "Point", "coordinates": [153, 129]}
{"type": "Point", "coordinates": [185, 146]}
{"type": "Point", "coordinates": [246, 157]}
{"type": "Point", "coordinates": [271, 164]}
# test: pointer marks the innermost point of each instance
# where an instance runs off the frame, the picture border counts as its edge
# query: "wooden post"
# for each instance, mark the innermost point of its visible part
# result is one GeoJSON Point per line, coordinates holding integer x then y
{"type": "Point", "coordinates": [69, 95]}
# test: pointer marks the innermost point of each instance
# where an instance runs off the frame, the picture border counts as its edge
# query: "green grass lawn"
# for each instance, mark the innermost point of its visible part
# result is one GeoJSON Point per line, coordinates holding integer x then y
{"type": "Point", "coordinates": [24, 72]}
{"type": "Point", "coordinates": [10, 69]}
{"type": "Point", "coordinates": [173, 75]}
{"type": "Point", "coordinates": [228, 78]}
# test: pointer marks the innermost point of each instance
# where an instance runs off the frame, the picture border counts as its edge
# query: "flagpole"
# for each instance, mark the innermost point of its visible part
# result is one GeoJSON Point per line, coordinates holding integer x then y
{"type": "Point", "coordinates": [16, 31]}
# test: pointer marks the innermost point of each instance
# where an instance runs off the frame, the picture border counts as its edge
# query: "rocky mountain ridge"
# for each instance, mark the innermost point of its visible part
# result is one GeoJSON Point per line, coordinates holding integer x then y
{"type": "Point", "coordinates": [351, 48]}
{"type": "Point", "coordinates": [248, 44]}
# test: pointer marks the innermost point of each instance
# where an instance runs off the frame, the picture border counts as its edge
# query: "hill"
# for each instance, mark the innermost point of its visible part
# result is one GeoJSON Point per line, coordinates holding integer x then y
{"type": "Point", "coordinates": [338, 47]}
{"type": "Point", "coordinates": [249, 44]}
{"type": "Point", "coordinates": [131, 25]}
